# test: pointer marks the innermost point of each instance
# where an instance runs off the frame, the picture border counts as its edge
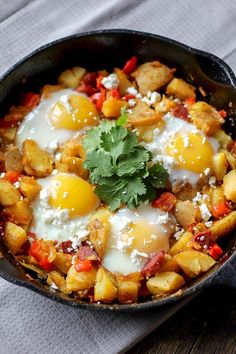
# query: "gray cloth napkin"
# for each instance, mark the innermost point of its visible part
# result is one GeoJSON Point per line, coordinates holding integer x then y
{"type": "Point", "coordinates": [30, 323]}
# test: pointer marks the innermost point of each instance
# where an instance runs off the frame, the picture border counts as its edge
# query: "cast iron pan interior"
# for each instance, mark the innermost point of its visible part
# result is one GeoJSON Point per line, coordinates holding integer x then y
{"type": "Point", "coordinates": [106, 49]}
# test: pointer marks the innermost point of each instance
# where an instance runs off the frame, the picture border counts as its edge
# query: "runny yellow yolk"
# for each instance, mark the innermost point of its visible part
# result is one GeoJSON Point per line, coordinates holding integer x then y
{"type": "Point", "coordinates": [73, 112]}
{"type": "Point", "coordinates": [191, 151]}
{"type": "Point", "coordinates": [145, 238]}
{"type": "Point", "coordinates": [72, 193]}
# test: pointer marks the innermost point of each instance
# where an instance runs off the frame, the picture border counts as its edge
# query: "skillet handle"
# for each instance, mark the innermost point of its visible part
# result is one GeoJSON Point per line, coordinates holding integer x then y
{"type": "Point", "coordinates": [227, 275]}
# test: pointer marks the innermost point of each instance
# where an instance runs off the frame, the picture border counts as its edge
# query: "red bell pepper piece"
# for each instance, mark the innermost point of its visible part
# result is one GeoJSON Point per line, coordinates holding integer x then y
{"type": "Point", "coordinates": [130, 65]}
{"type": "Point", "coordinates": [181, 112]}
{"type": "Point", "coordinates": [223, 113]}
{"type": "Point", "coordinates": [129, 96]}
{"type": "Point", "coordinates": [221, 210]}
{"type": "Point", "coordinates": [98, 99]}
{"type": "Point", "coordinates": [12, 176]}
{"type": "Point", "coordinates": [166, 201]}
{"type": "Point", "coordinates": [99, 84]}
{"type": "Point", "coordinates": [83, 265]}
{"type": "Point", "coordinates": [115, 93]}
{"type": "Point", "coordinates": [44, 252]}
{"type": "Point", "coordinates": [30, 99]}
{"type": "Point", "coordinates": [215, 251]}
{"type": "Point", "coordinates": [190, 101]}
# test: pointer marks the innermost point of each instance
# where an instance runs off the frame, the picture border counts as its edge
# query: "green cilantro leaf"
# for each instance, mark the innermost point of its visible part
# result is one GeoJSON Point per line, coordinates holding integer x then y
{"type": "Point", "coordinates": [158, 176]}
{"type": "Point", "coordinates": [123, 117]}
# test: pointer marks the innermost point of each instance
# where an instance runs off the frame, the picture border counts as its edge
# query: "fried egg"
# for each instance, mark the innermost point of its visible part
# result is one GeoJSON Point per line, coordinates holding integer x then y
{"type": "Point", "coordinates": [63, 208]}
{"type": "Point", "coordinates": [57, 119]}
{"type": "Point", "coordinates": [185, 151]}
{"type": "Point", "coordinates": [135, 236]}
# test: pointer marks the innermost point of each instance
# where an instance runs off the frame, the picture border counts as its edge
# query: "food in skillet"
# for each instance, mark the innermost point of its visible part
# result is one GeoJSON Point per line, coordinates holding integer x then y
{"type": "Point", "coordinates": [116, 187]}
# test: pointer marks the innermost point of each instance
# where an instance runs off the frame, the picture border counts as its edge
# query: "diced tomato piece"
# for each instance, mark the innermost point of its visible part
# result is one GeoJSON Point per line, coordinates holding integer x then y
{"type": "Point", "coordinates": [129, 96]}
{"type": "Point", "coordinates": [98, 99]}
{"type": "Point", "coordinates": [115, 93]}
{"type": "Point", "coordinates": [154, 264]}
{"type": "Point", "coordinates": [90, 79]}
{"type": "Point", "coordinates": [215, 251]}
{"type": "Point", "coordinates": [99, 84]}
{"type": "Point", "coordinates": [181, 112]}
{"type": "Point", "coordinates": [221, 210]}
{"type": "Point", "coordinates": [130, 65]}
{"type": "Point", "coordinates": [166, 201]}
{"type": "Point", "coordinates": [44, 252]}
{"type": "Point", "coordinates": [223, 113]}
{"type": "Point", "coordinates": [46, 265]}
{"type": "Point", "coordinates": [12, 176]}
{"type": "Point", "coordinates": [204, 239]}
{"type": "Point", "coordinates": [190, 101]}
{"type": "Point", "coordinates": [85, 252]}
{"type": "Point", "coordinates": [30, 99]}
{"type": "Point", "coordinates": [83, 265]}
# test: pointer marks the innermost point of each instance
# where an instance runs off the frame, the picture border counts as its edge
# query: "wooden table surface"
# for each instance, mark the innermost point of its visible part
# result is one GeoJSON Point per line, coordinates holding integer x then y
{"type": "Point", "coordinates": [207, 325]}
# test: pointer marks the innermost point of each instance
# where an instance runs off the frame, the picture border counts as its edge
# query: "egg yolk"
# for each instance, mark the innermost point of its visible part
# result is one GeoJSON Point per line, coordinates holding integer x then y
{"type": "Point", "coordinates": [191, 151]}
{"type": "Point", "coordinates": [72, 193]}
{"type": "Point", "coordinates": [73, 112]}
{"type": "Point", "coordinates": [145, 238]}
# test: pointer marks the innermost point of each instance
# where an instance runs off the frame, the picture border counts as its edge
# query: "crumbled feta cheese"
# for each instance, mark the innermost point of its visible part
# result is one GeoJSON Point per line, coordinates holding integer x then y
{"type": "Point", "coordinates": [197, 198]}
{"type": "Point", "coordinates": [53, 286]}
{"type": "Point", "coordinates": [131, 102]}
{"type": "Point", "coordinates": [2, 175]}
{"type": "Point", "coordinates": [110, 82]}
{"type": "Point", "coordinates": [205, 213]}
{"type": "Point", "coordinates": [186, 141]}
{"type": "Point", "coordinates": [207, 171]}
{"type": "Point", "coordinates": [163, 219]}
{"type": "Point", "coordinates": [122, 245]}
{"type": "Point", "coordinates": [58, 156]}
{"type": "Point", "coordinates": [212, 180]}
{"type": "Point", "coordinates": [137, 257]}
{"type": "Point", "coordinates": [80, 236]}
{"type": "Point", "coordinates": [178, 234]}
{"type": "Point", "coordinates": [208, 223]}
{"type": "Point", "coordinates": [55, 216]}
{"type": "Point", "coordinates": [17, 185]}
{"type": "Point", "coordinates": [132, 91]}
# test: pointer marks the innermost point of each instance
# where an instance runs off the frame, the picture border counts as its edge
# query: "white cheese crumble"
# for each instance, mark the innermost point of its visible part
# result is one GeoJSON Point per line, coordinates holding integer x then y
{"type": "Point", "coordinates": [2, 175]}
{"type": "Point", "coordinates": [137, 257]}
{"type": "Point", "coordinates": [53, 286]}
{"type": "Point", "coordinates": [80, 236]}
{"type": "Point", "coordinates": [178, 234]}
{"type": "Point", "coordinates": [55, 216]}
{"type": "Point", "coordinates": [208, 223]}
{"type": "Point", "coordinates": [132, 91]}
{"type": "Point", "coordinates": [17, 185]}
{"type": "Point", "coordinates": [110, 82]}
{"type": "Point", "coordinates": [205, 213]}
{"type": "Point", "coordinates": [212, 180]}
{"type": "Point", "coordinates": [207, 171]}
{"type": "Point", "coordinates": [131, 102]}
{"type": "Point", "coordinates": [151, 98]}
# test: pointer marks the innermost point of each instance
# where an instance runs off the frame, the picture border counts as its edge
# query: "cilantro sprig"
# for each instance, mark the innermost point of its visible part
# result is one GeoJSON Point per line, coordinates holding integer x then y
{"type": "Point", "coordinates": [120, 167]}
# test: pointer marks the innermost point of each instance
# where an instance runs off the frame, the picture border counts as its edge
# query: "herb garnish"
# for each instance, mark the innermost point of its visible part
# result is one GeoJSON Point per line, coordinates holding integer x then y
{"type": "Point", "coordinates": [120, 167]}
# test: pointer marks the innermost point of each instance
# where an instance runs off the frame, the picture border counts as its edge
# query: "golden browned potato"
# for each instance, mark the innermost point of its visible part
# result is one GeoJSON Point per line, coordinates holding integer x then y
{"type": "Point", "coordinates": [165, 283]}
{"type": "Point", "coordinates": [14, 237]}
{"type": "Point", "coordinates": [170, 264]}
{"type": "Point", "coordinates": [229, 186]}
{"type": "Point", "coordinates": [8, 134]}
{"type": "Point", "coordinates": [36, 161]}
{"type": "Point", "coordinates": [72, 77]}
{"type": "Point", "coordinates": [220, 165]}
{"type": "Point", "coordinates": [20, 213]}
{"type": "Point", "coordinates": [29, 187]}
{"type": "Point", "coordinates": [185, 213]}
{"type": "Point", "coordinates": [180, 89]}
{"type": "Point", "coordinates": [164, 105]}
{"type": "Point", "coordinates": [76, 281]}
{"type": "Point", "coordinates": [124, 82]}
{"type": "Point", "coordinates": [105, 288]}
{"type": "Point", "coordinates": [194, 263]}
{"type": "Point", "coordinates": [152, 76]}
{"type": "Point", "coordinates": [99, 234]}
{"type": "Point", "coordinates": [128, 286]}
{"type": "Point", "coordinates": [230, 158]}
{"type": "Point", "coordinates": [224, 226]}
{"type": "Point", "coordinates": [184, 243]}
{"type": "Point", "coordinates": [63, 262]}
{"type": "Point", "coordinates": [142, 115]}
{"type": "Point", "coordinates": [216, 196]}
{"type": "Point", "coordinates": [57, 281]}
{"type": "Point", "coordinates": [205, 117]}
{"type": "Point", "coordinates": [8, 193]}
{"type": "Point", "coordinates": [13, 159]}
{"type": "Point", "coordinates": [224, 139]}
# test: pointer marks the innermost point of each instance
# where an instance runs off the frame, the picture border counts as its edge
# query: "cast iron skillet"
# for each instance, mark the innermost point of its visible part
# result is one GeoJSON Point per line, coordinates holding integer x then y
{"type": "Point", "coordinates": [106, 49]}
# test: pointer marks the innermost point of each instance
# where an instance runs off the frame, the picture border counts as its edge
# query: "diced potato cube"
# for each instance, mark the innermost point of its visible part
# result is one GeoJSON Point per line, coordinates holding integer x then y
{"type": "Point", "coordinates": [8, 193]}
{"type": "Point", "coordinates": [224, 226]}
{"type": "Point", "coordinates": [184, 243]}
{"type": "Point", "coordinates": [111, 107]}
{"type": "Point", "coordinates": [20, 213]}
{"type": "Point", "coordinates": [180, 89]}
{"type": "Point", "coordinates": [165, 105]}
{"type": "Point", "coordinates": [14, 237]}
{"type": "Point", "coordinates": [13, 159]}
{"type": "Point", "coordinates": [165, 283]}
{"type": "Point", "coordinates": [76, 281]}
{"type": "Point", "coordinates": [224, 139]}
{"type": "Point", "coordinates": [36, 161]}
{"type": "Point", "coordinates": [220, 165]}
{"type": "Point", "coordinates": [229, 186]}
{"type": "Point", "coordinates": [47, 90]}
{"type": "Point", "coordinates": [72, 77]}
{"type": "Point", "coordinates": [29, 187]}
{"type": "Point", "coordinates": [142, 115]}
{"type": "Point", "coordinates": [56, 280]}
{"type": "Point", "coordinates": [216, 196]}
{"type": "Point", "coordinates": [105, 288]}
{"type": "Point", "coordinates": [8, 134]}
{"type": "Point", "coordinates": [185, 213]}
{"type": "Point", "coordinates": [99, 234]}
{"type": "Point", "coordinates": [128, 286]}
{"type": "Point", "coordinates": [170, 264]}
{"type": "Point", "coordinates": [152, 76]}
{"type": "Point", "coordinates": [194, 263]}
{"type": "Point", "coordinates": [205, 117]}
{"type": "Point", "coordinates": [230, 158]}
{"type": "Point", "coordinates": [63, 262]}
{"type": "Point", "coordinates": [124, 82]}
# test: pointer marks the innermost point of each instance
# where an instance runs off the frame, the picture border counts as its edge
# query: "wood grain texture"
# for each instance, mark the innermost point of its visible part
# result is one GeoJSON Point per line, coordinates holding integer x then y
{"type": "Point", "coordinates": [206, 325]}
